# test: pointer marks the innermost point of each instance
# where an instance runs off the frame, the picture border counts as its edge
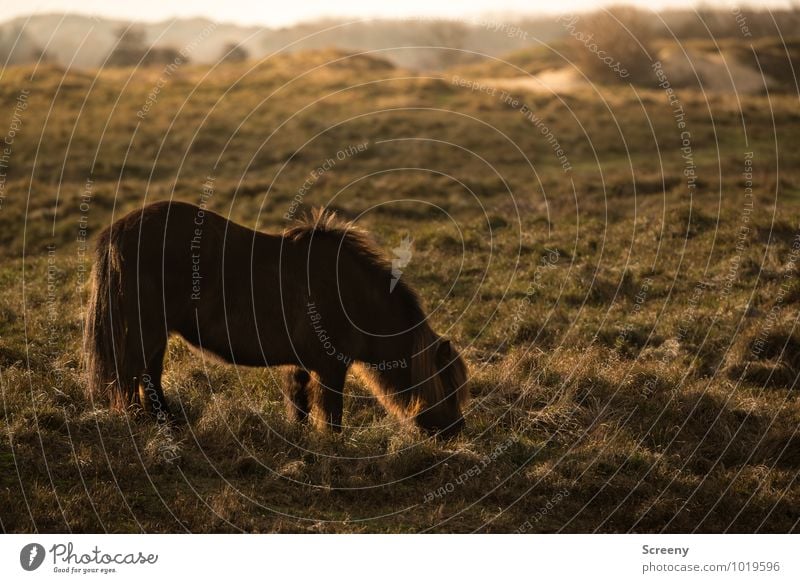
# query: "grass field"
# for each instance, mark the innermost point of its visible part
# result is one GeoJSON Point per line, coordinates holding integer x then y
{"type": "Point", "coordinates": [623, 281]}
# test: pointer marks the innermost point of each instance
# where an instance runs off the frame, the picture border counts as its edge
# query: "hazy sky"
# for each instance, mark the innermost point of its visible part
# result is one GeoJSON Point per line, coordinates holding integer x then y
{"type": "Point", "coordinates": [278, 13]}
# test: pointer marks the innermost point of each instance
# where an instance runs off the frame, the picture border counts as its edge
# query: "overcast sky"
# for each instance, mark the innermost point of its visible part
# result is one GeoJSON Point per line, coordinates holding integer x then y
{"type": "Point", "coordinates": [281, 13]}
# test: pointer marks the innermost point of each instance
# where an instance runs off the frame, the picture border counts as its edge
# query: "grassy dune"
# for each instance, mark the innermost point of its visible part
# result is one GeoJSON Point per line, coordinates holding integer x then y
{"type": "Point", "coordinates": [630, 330]}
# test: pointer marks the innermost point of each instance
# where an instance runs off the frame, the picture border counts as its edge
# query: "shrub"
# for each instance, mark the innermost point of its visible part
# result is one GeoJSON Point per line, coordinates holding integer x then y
{"type": "Point", "coordinates": [612, 46]}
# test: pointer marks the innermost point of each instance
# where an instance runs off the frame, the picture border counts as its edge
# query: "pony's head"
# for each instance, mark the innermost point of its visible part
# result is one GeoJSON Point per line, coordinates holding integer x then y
{"type": "Point", "coordinates": [440, 375]}
{"type": "Point", "coordinates": [433, 390]}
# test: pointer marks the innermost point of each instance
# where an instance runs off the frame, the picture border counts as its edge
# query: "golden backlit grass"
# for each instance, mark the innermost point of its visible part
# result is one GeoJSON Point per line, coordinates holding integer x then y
{"type": "Point", "coordinates": [610, 322]}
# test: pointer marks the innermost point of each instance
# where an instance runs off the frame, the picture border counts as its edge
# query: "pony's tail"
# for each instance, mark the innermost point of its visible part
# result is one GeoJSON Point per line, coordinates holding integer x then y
{"type": "Point", "coordinates": [108, 365]}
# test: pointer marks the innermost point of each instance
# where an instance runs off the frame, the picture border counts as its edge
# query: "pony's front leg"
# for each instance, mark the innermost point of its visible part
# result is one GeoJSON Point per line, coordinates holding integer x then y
{"type": "Point", "coordinates": [296, 393]}
{"type": "Point", "coordinates": [328, 395]}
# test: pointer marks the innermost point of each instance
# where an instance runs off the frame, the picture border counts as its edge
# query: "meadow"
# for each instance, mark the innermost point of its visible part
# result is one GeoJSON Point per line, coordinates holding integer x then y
{"type": "Point", "coordinates": [619, 266]}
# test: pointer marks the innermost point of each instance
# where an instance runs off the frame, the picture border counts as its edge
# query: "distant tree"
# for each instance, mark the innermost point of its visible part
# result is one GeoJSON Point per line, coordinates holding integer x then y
{"type": "Point", "coordinates": [42, 56]}
{"type": "Point", "coordinates": [132, 49]}
{"type": "Point", "coordinates": [614, 46]}
{"type": "Point", "coordinates": [234, 53]}
{"type": "Point", "coordinates": [164, 56]}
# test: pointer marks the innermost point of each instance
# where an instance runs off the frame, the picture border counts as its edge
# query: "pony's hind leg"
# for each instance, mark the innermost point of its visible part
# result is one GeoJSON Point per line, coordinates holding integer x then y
{"type": "Point", "coordinates": [151, 390]}
{"type": "Point", "coordinates": [296, 393]}
{"type": "Point", "coordinates": [327, 393]}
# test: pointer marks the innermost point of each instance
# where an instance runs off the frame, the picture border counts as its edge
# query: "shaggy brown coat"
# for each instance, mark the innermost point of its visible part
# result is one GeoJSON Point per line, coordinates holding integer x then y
{"type": "Point", "coordinates": [317, 298]}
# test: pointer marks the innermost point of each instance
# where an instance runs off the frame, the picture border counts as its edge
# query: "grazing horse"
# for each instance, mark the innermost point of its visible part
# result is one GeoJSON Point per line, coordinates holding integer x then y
{"type": "Point", "coordinates": [318, 298]}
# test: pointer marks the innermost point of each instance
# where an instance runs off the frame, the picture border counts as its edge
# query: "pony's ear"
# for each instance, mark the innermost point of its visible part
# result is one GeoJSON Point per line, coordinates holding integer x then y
{"type": "Point", "coordinates": [444, 352]}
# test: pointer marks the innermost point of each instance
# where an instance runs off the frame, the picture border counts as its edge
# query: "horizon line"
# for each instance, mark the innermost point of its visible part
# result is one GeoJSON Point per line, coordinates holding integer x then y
{"type": "Point", "coordinates": [476, 17]}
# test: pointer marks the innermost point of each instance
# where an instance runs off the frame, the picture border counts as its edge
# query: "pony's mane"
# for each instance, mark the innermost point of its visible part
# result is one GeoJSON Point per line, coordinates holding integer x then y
{"type": "Point", "coordinates": [326, 223]}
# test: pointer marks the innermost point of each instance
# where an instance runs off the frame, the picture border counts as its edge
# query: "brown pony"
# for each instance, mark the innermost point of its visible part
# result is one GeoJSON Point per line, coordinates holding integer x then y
{"type": "Point", "coordinates": [318, 298]}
